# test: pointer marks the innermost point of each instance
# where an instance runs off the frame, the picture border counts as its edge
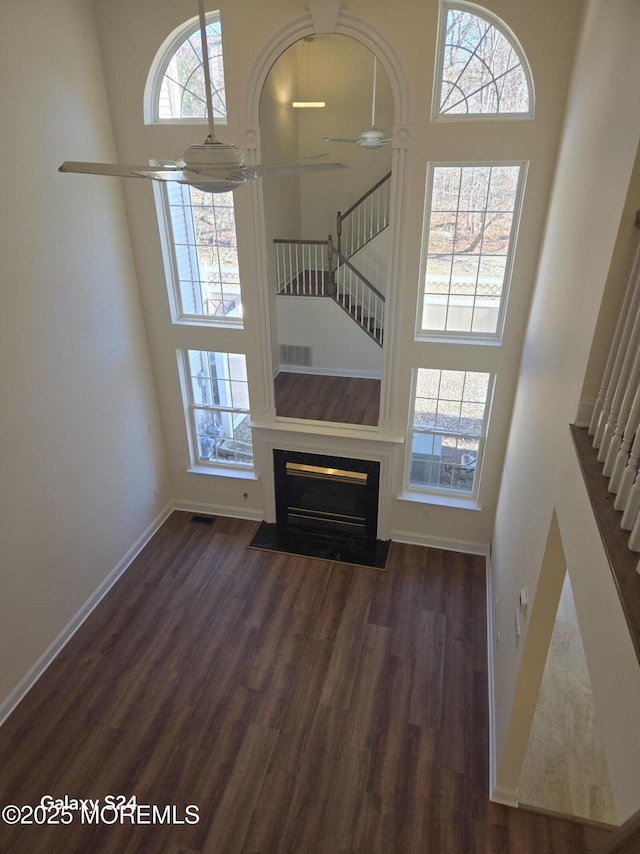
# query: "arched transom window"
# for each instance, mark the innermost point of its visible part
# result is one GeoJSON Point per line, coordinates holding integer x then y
{"type": "Point", "coordinates": [177, 92]}
{"type": "Point", "coordinates": [481, 68]}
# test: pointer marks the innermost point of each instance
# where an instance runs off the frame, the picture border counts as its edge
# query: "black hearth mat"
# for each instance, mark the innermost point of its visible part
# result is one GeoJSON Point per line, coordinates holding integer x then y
{"type": "Point", "coordinates": [321, 544]}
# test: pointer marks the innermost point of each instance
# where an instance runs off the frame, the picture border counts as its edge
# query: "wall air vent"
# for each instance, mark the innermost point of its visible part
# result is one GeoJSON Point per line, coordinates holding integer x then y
{"type": "Point", "coordinates": [295, 354]}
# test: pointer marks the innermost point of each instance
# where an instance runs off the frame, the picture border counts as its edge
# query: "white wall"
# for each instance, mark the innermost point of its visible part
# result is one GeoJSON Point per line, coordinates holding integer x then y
{"type": "Point", "coordinates": [599, 146]}
{"type": "Point", "coordinates": [81, 443]}
{"type": "Point", "coordinates": [344, 68]}
{"type": "Point", "coordinates": [373, 261]}
{"type": "Point", "coordinates": [279, 134]}
{"type": "Point", "coordinates": [338, 346]}
{"type": "Point", "coordinates": [619, 272]}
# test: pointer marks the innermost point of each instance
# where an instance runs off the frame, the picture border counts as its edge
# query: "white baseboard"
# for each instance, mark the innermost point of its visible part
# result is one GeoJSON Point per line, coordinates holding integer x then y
{"type": "Point", "coordinates": [506, 797]}
{"type": "Point", "coordinates": [432, 542]}
{"type": "Point", "coordinates": [10, 703]}
{"type": "Point", "coordinates": [218, 510]}
{"type": "Point", "coordinates": [497, 794]}
{"type": "Point", "coordinates": [329, 372]}
{"type": "Point", "coordinates": [493, 769]}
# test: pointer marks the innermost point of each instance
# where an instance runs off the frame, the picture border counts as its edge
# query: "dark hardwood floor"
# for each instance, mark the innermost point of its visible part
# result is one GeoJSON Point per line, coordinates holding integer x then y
{"type": "Point", "coordinates": [346, 400]}
{"type": "Point", "coordinates": [303, 706]}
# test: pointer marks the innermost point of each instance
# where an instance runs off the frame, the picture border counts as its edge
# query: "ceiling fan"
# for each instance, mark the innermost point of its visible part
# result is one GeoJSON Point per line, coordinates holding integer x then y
{"type": "Point", "coordinates": [373, 137]}
{"type": "Point", "coordinates": [213, 167]}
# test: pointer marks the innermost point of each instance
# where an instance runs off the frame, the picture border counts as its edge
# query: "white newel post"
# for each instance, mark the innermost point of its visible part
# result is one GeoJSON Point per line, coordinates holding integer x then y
{"type": "Point", "coordinates": [615, 363]}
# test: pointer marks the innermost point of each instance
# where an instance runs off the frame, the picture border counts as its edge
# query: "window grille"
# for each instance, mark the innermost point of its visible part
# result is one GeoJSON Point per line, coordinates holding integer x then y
{"type": "Point", "coordinates": [481, 69]}
{"type": "Point", "coordinates": [447, 431]}
{"type": "Point", "coordinates": [218, 403]}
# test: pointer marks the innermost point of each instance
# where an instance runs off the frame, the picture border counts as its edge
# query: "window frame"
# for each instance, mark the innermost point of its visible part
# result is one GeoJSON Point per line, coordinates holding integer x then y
{"type": "Point", "coordinates": [197, 462]}
{"type": "Point", "coordinates": [494, 21]}
{"type": "Point", "coordinates": [460, 336]}
{"type": "Point", "coordinates": [439, 495]}
{"type": "Point", "coordinates": [172, 273]}
{"type": "Point", "coordinates": [164, 55]}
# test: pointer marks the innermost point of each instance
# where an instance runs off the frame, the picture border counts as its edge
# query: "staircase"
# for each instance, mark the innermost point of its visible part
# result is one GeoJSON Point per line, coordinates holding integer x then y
{"type": "Point", "coordinates": [318, 268]}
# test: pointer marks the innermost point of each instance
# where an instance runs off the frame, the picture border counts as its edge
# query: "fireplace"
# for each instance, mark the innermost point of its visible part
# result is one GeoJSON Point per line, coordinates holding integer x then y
{"type": "Point", "coordinates": [332, 494]}
{"type": "Point", "coordinates": [326, 507]}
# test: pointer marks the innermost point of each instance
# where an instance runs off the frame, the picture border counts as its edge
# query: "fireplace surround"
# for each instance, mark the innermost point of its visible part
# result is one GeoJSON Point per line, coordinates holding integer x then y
{"type": "Point", "coordinates": [326, 507]}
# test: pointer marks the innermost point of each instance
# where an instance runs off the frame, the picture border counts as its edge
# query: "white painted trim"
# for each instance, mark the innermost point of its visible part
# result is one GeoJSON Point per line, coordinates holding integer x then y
{"type": "Point", "coordinates": [585, 411]}
{"type": "Point", "coordinates": [337, 445]}
{"type": "Point", "coordinates": [493, 764]}
{"type": "Point", "coordinates": [466, 546]}
{"type": "Point", "coordinates": [403, 131]}
{"type": "Point", "coordinates": [10, 703]}
{"type": "Point", "coordinates": [497, 794]}
{"type": "Point", "coordinates": [329, 372]}
{"type": "Point", "coordinates": [218, 510]}
{"type": "Point", "coordinates": [506, 797]}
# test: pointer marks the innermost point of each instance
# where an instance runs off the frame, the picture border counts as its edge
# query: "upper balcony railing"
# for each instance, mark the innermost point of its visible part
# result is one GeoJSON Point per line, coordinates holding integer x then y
{"type": "Point", "coordinates": [365, 219]}
{"type": "Point", "coordinates": [609, 453]}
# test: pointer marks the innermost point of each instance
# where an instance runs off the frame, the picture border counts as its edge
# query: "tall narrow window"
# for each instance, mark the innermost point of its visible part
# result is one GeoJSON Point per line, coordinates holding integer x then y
{"type": "Point", "coordinates": [205, 254]}
{"type": "Point", "coordinates": [471, 216]}
{"type": "Point", "coordinates": [447, 430]}
{"type": "Point", "coordinates": [218, 400]}
{"type": "Point", "coordinates": [481, 68]}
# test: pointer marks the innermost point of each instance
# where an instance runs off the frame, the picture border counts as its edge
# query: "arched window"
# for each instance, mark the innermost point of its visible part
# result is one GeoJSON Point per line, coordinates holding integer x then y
{"type": "Point", "coordinates": [198, 229]}
{"type": "Point", "coordinates": [175, 87]}
{"type": "Point", "coordinates": [481, 68]}
{"type": "Point", "coordinates": [198, 235]}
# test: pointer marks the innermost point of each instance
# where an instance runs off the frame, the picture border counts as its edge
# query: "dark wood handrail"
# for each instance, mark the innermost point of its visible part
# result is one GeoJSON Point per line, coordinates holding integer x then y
{"type": "Point", "coordinates": [624, 840]}
{"type": "Point", "coordinates": [362, 278]}
{"type": "Point", "coordinates": [366, 195]}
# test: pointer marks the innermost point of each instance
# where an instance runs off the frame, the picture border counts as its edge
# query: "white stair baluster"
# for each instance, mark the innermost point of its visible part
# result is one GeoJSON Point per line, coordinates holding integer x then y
{"type": "Point", "coordinates": [626, 464]}
{"type": "Point", "coordinates": [621, 344]}
{"type": "Point", "coordinates": [623, 416]}
{"type": "Point", "coordinates": [632, 506]}
{"type": "Point", "coordinates": [633, 284]}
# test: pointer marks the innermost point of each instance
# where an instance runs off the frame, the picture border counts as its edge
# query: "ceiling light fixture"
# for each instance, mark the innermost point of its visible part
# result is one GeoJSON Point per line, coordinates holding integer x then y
{"type": "Point", "coordinates": [308, 103]}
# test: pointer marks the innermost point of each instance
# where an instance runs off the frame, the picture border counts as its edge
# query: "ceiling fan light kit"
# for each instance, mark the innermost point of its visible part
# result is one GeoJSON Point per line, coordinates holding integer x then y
{"type": "Point", "coordinates": [212, 167]}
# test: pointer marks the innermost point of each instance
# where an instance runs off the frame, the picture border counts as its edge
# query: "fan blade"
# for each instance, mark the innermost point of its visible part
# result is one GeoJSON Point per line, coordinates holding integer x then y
{"type": "Point", "coordinates": [287, 169]}
{"type": "Point", "coordinates": [177, 175]}
{"type": "Point", "coordinates": [207, 182]}
{"type": "Point", "coordinates": [114, 169]}
{"type": "Point", "coordinates": [292, 161]}
{"type": "Point", "coordinates": [341, 139]}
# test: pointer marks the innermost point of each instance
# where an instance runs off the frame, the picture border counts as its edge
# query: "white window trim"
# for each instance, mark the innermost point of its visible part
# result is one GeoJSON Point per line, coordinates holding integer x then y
{"type": "Point", "coordinates": [486, 15]}
{"type": "Point", "coordinates": [165, 228]}
{"type": "Point", "coordinates": [159, 65]}
{"type": "Point", "coordinates": [456, 336]}
{"type": "Point", "coordinates": [434, 495]}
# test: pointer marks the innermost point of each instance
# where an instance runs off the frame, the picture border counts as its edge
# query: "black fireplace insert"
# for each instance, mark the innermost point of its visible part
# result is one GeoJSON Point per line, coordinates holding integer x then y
{"type": "Point", "coordinates": [326, 507]}
{"type": "Point", "coordinates": [315, 491]}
